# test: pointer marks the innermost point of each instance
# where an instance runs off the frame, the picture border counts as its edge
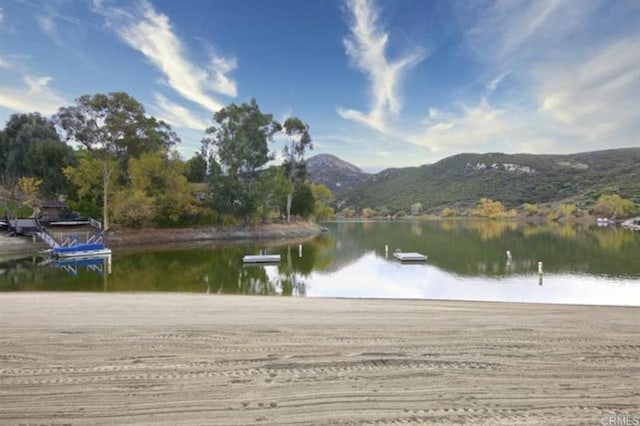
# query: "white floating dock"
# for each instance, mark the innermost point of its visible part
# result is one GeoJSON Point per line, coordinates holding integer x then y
{"type": "Point", "coordinates": [410, 257]}
{"type": "Point", "coordinates": [262, 258]}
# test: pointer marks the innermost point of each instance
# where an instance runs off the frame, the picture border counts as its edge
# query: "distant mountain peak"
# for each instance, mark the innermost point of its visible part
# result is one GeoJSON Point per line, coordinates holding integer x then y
{"type": "Point", "coordinates": [337, 174]}
{"type": "Point", "coordinates": [330, 160]}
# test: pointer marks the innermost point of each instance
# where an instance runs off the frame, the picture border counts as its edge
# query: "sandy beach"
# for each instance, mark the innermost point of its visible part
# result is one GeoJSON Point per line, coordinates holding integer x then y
{"type": "Point", "coordinates": [76, 358]}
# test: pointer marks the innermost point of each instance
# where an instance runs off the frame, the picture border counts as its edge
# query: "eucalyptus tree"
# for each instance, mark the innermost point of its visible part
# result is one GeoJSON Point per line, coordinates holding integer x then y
{"type": "Point", "coordinates": [113, 128]}
{"type": "Point", "coordinates": [238, 148]}
{"type": "Point", "coordinates": [299, 140]}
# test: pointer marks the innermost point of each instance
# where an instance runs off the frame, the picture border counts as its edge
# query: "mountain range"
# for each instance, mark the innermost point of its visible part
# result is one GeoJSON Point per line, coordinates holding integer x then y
{"type": "Point", "coordinates": [461, 180]}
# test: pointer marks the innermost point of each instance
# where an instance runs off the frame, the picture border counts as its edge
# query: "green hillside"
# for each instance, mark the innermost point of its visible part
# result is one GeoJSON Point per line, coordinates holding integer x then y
{"type": "Point", "coordinates": [461, 180]}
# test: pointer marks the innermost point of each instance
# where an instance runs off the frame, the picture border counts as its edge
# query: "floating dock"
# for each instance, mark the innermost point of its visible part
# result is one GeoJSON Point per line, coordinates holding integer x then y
{"type": "Point", "coordinates": [262, 258]}
{"type": "Point", "coordinates": [410, 257]}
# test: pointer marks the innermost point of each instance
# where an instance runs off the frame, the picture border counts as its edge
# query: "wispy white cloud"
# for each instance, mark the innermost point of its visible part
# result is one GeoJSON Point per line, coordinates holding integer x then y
{"type": "Point", "coordinates": [504, 31]}
{"type": "Point", "coordinates": [34, 95]}
{"type": "Point", "coordinates": [59, 25]}
{"type": "Point", "coordinates": [220, 68]}
{"type": "Point", "coordinates": [493, 84]}
{"type": "Point", "coordinates": [468, 128]}
{"type": "Point", "coordinates": [151, 33]}
{"type": "Point", "coordinates": [177, 115]}
{"type": "Point", "coordinates": [1, 16]}
{"type": "Point", "coordinates": [45, 23]}
{"type": "Point", "coordinates": [4, 64]}
{"type": "Point", "coordinates": [577, 105]}
{"type": "Point", "coordinates": [366, 48]}
{"type": "Point", "coordinates": [598, 96]}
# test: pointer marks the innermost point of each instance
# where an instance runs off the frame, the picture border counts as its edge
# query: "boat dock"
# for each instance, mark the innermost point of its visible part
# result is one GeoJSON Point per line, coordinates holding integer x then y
{"type": "Point", "coordinates": [65, 246]}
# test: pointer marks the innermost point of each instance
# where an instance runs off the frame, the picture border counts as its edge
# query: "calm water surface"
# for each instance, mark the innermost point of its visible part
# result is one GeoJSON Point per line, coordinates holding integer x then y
{"type": "Point", "coordinates": [467, 261]}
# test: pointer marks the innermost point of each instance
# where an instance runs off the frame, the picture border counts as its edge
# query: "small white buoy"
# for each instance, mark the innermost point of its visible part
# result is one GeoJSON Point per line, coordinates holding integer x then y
{"type": "Point", "coordinates": [300, 250]}
{"type": "Point", "coordinates": [540, 267]}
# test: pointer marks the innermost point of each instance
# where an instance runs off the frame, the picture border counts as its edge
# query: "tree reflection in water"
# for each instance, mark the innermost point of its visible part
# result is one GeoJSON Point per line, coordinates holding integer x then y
{"type": "Point", "coordinates": [464, 248]}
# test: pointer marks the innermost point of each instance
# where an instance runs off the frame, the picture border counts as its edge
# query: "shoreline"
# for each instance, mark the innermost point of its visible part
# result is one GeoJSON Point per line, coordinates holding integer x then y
{"type": "Point", "coordinates": [126, 237]}
{"type": "Point", "coordinates": [193, 359]}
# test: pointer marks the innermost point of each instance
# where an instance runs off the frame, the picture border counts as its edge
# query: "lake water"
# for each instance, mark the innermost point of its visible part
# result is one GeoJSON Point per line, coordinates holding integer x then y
{"type": "Point", "coordinates": [466, 261]}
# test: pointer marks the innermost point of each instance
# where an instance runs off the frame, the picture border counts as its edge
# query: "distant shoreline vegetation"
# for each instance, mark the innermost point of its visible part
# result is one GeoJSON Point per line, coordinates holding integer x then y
{"type": "Point", "coordinates": [611, 206]}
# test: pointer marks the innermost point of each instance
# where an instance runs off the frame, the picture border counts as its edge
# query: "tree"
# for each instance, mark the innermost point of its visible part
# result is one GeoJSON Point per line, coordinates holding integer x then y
{"type": "Point", "coordinates": [492, 209]}
{"type": "Point", "coordinates": [238, 143]}
{"type": "Point", "coordinates": [303, 201]}
{"type": "Point", "coordinates": [416, 208]}
{"type": "Point", "coordinates": [133, 207]}
{"type": "Point", "coordinates": [348, 212]}
{"type": "Point", "coordinates": [449, 212]}
{"type": "Point", "coordinates": [323, 200]}
{"type": "Point", "coordinates": [531, 209]}
{"type": "Point", "coordinates": [613, 205]}
{"type": "Point", "coordinates": [113, 128]}
{"type": "Point", "coordinates": [86, 177]}
{"type": "Point", "coordinates": [295, 168]}
{"type": "Point", "coordinates": [29, 188]}
{"type": "Point", "coordinates": [565, 211]}
{"type": "Point", "coordinates": [159, 192]}
{"type": "Point", "coordinates": [368, 213]}
{"type": "Point", "coordinates": [196, 169]}
{"type": "Point", "coordinates": [30, 146]}
{"type": "Point", "coordinates": [382, 211]}
{"type": "Point", "coordinates": [273, 188]}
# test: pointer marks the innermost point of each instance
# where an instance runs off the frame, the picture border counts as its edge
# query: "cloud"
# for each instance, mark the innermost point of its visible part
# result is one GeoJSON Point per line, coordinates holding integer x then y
{"type": "Point", "coordinates": [502, 31]}
{"type": "Point", "coordinates": [493, 84]}
{"type": "Point", "coordinates": [598, 96]}
{"type": "Point", "coordinates": [59, 25]}
{"type": "Point", "coordinates": [1, 16]}
{"type": "Point", "coordinates": [178, 115]}
{"type": "Point", "coordinates": [34, 95]}
{"type": "Point", "coordinates": [366, 48]}
{"type": "Point", "coordinates": [151, 33]}
{"type": "Point", "coordinates": [576, 105]}
{"type": "Point", "coordinates": [221, 82]}
{"type": "Point", "coordinates": [45, 23]}
{"type": "Point", "coordinates": [4, 64]}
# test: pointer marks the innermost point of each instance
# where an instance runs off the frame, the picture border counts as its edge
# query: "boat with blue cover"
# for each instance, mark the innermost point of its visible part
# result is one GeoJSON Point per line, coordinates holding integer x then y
{"type": "Point", "coordinates": [82, 250]}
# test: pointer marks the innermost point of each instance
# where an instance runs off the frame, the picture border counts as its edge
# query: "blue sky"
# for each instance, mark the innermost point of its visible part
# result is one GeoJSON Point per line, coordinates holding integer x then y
{"type": "Point", "coordinates": [381, 83]}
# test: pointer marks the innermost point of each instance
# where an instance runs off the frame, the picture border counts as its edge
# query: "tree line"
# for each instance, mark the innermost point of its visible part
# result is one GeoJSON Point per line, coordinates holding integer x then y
{"type": "Point", "coordinates": [110, 159]}
{"type": "Point", "coordinates": [611, 206]}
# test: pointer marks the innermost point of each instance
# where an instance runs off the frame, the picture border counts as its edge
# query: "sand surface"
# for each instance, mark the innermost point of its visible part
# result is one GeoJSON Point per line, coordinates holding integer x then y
{"type": "Point", "coordinates": [195, 359]}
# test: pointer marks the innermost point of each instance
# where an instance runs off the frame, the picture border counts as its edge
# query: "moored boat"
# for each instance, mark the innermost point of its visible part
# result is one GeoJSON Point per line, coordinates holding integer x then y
{"type": "Point", "coordinates": [633, 224]}
{"type": "Point", "coordinates": [82, 250]}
